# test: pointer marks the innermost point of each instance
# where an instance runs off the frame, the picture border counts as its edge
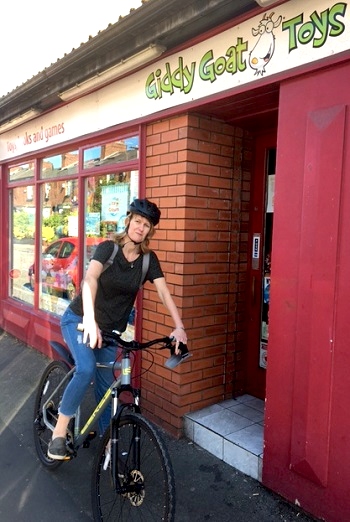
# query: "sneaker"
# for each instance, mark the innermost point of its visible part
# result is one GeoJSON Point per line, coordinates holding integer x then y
{"type": "Point", "coordinates": [57, 449]}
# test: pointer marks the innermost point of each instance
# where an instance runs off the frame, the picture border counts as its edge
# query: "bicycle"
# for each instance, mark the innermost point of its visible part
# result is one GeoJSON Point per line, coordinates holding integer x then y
{"type": "Point", "coordinates": [132, 476]}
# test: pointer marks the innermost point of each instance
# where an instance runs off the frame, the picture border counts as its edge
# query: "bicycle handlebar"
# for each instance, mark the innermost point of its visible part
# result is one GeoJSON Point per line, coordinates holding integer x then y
{"type": "Point", "coordinates": [134, 345]}
{"type": "Point", "coordinates": [168, 342]}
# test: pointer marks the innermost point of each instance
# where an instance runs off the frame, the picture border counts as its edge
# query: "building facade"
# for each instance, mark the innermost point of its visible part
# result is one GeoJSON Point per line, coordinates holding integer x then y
{"type": "Point", "coordinates": [241, 136]}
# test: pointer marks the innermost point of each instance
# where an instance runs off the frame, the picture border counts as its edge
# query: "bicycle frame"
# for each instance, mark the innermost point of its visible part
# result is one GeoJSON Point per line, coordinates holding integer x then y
{"type": "Point", "coordinates": [81, 436]}
{"type": "Point", "coordinates": [119, 385]}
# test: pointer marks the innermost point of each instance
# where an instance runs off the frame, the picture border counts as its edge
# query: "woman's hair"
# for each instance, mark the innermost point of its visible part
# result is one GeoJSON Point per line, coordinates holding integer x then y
{"type": "Point", "coordinates": [144, 245]}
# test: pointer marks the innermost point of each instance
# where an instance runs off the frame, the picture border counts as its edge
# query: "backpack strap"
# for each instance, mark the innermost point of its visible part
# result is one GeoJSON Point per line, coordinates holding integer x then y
{"type": "Point", "coordinates": [145, 263]}
{"type": "Point", "coordinates": [145, 266]}
{"type": "Point", "coordinates": [109, 261]}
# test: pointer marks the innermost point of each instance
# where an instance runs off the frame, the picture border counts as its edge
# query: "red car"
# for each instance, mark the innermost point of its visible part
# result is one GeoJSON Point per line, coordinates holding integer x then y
{"type": "Point", "coordinates": [59, 270]}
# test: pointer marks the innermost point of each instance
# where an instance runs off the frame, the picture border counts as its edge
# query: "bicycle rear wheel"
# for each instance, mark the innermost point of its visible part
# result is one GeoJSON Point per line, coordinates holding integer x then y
{"type": "Point", "coordinates": [49, 385]}
{"type": "Point", "coordinates": [144, 470]}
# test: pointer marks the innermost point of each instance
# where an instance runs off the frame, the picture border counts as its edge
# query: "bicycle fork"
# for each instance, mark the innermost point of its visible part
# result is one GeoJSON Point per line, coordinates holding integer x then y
{"type": "Point", "coordinates": [125, 461]}
{"type": "Point", "coordinates": [132, 453]}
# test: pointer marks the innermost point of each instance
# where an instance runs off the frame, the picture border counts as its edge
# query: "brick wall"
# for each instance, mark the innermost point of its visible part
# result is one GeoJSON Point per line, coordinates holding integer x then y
{"type": "Point", "coordinates": [198, 172]}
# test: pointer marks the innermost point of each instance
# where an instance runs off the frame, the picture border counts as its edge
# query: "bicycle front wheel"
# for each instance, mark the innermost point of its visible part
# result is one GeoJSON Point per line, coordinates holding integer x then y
{"type": "Point", "coordinates": [145, 474]}
{"type": "Point", "coordinates": [50, 391]}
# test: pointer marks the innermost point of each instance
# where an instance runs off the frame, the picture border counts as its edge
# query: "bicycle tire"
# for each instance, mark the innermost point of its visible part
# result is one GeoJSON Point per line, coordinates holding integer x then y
{"type": "Point", "coordinates": [154, 496]}
{"type": "Point", "coordinates": [52, 376]}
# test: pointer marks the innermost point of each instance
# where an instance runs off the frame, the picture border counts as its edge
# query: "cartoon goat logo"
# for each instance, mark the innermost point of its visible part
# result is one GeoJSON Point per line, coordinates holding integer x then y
{"type": "Point", "coordinates": [264, 48]}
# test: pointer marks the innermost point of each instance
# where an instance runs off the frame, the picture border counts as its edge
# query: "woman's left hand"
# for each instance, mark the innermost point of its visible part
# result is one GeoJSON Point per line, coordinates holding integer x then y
{"type": "Point", "coordinates": [180, 336]}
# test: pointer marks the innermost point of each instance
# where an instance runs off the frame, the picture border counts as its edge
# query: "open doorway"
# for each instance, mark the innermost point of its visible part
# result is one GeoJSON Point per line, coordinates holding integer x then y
{"type": "Point", "coordinates": [259, 263]}
{"type": "Point", "coordinates": [251, 110]}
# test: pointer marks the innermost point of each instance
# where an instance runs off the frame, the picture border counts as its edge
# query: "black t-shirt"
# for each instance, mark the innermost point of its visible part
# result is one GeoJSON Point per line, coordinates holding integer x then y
{"type": "Point", "coordinates": [117, 287]}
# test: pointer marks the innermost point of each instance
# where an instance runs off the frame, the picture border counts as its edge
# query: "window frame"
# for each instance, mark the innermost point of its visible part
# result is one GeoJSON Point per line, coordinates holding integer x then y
{"type": "Point", "coordinates": [38, 182]}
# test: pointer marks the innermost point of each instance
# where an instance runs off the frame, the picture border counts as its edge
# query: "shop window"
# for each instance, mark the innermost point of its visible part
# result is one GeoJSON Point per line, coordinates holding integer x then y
{"type": "Point", "coordinates": [112, 152]}
{"type": "Point", "coordinates": [58, 264]}
{"type": "Point", "coordinates": [107, 201]}
{"type": "Point", "coordinates": [46, 263]}
{"type": "Point", "coordinates": [22, 223]}
{"type": "Point", "coordinates": [20, 172]}
{"type": "Point", "coordinates": [59, 165]}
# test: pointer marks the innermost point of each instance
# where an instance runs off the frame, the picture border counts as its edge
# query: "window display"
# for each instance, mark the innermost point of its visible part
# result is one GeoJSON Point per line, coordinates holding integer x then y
{"type": "Point", "coordinates": [22, 223]}
{"type": "Point", "coordinates": [107, 201]}
{"type": "Point", "coordinates": [57, 277]}
{"type": "Point", "coordinates": [47, 264]}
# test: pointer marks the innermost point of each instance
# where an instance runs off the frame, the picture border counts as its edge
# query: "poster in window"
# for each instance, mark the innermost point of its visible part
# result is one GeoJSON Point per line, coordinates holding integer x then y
{"type": "Point", "coordinates": [114, 202]}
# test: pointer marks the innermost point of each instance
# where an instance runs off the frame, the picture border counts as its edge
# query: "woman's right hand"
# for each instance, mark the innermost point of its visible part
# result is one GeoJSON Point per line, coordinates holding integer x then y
{"type": "Point", "coordinates": [92, 334]}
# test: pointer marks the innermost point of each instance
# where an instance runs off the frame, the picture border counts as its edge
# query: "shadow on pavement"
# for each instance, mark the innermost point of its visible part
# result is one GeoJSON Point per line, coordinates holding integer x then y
{"type": "Point", "coordinates": [207, 488]}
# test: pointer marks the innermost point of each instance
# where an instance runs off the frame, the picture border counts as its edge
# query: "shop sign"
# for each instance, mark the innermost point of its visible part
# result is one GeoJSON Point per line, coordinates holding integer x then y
{"type": "Point", "coordinates": [276, 41]}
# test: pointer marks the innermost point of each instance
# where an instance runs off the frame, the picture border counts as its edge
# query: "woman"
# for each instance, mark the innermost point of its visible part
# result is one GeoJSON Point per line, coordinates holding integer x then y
{"type": "Point", "coordinates": [105, 303]}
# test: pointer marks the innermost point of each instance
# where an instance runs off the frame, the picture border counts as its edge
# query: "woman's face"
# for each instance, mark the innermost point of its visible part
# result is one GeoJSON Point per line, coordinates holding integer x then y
{"type": "Point", "coordinates": [139, 227]}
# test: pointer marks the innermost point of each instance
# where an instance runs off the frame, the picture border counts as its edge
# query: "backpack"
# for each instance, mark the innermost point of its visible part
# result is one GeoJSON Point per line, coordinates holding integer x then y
{"type": "Point", "coordinates": [145, 263]}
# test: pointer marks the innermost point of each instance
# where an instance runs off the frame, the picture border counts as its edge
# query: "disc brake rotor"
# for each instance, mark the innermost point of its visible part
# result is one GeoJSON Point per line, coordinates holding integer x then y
{"type": "Point", "coordinates": [136, 497]}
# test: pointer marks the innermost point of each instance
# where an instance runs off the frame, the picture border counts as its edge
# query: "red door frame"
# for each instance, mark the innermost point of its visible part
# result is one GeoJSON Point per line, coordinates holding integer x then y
{"type": "Point", "coordinates": [307, 424]}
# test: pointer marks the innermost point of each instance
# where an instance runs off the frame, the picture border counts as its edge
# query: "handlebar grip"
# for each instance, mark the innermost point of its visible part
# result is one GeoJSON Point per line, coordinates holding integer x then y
{"type": "Point", "coordinates": [182, 347]}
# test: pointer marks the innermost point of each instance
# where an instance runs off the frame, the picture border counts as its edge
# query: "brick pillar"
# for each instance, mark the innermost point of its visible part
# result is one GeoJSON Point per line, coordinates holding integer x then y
{"type": "Point", "coordinates": [194, 173]}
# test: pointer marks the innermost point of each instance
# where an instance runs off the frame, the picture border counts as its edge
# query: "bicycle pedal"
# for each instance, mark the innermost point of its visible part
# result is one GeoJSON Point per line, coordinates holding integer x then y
{"type": "Point", "coordinates": [68, 457]}
{"type": "Point", "coordinates": [92, 435]}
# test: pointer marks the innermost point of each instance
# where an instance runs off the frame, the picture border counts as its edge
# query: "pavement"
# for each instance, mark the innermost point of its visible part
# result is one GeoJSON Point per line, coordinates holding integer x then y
{"type": "Point", "coordinates": [207, 488]}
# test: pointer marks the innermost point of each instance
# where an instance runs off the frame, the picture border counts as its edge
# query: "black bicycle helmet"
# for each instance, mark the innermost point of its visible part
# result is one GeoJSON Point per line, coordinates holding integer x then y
{"type": "Point", "coordinates": [147, 209]}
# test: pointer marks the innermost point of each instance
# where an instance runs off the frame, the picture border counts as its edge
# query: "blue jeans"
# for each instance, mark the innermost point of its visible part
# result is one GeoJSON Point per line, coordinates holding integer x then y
{"type": "Point", "coordinates": [85, 360]}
